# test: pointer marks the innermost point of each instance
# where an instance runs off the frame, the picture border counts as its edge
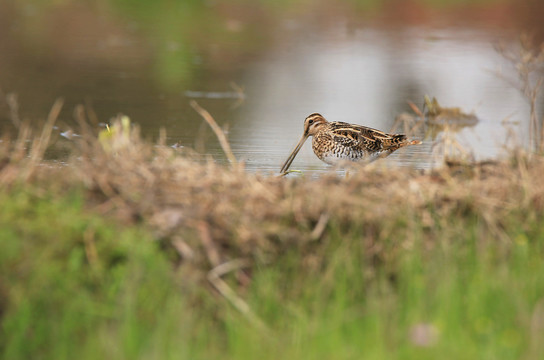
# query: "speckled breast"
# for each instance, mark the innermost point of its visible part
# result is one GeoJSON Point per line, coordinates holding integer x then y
{"type": "Point", "coordinates": [333, 153]}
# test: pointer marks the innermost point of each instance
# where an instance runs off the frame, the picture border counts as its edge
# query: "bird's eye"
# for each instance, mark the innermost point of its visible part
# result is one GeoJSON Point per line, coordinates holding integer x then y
{"type": "Point", "coordinates": [311, 121]}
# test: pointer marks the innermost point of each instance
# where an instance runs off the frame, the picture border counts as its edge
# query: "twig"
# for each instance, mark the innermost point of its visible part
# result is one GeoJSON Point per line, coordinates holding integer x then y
{"type": "Point", "coordinates": [217, 130]}
{"type": "Point", "coordinates": [320, 226]}
{"type": "Point", "coordinates": [39, 145]}
{"type": "Point", "coordinates": [416, 110]}
{"type": "Point", "coordinates": [209, 246]}
{"type": "Point", "coordinates": [182, 248]}
{"type": "Point", "coordinates": [214, 277]}
{"type": "Point", "coordinates": [38, 148]}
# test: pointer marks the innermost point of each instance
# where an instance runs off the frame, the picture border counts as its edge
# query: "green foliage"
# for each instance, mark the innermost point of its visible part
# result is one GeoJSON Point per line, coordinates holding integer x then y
{"type": "Point", "coordinates": [75, 284]}
{"type": "Point", "coordinates": [468, 297]}
{"type": "Point", "coordinates": [382, 265]}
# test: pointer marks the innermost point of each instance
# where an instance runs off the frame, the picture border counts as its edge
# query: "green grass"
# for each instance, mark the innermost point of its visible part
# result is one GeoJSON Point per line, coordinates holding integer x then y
{"type": "Point", "coordinates": [479, 303]}
{"type": "Point", "coordinates": [476, 297]}
{"type": "Point", "coordinates": [62, 303]}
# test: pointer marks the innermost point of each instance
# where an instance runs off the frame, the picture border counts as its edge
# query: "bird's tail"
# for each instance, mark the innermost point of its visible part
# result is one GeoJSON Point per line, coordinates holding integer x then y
{"type": "Point", "coordinates": [413, 142]}
{"type": "Point", "coordinates": [401, 141]}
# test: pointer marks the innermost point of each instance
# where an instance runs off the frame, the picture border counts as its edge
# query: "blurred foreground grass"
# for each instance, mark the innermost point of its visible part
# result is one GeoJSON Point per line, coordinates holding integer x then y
{"type": "Point", "coordinates": [117, 256]}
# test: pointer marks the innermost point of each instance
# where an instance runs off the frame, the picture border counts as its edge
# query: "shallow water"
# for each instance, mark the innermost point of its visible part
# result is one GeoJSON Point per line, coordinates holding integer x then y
{"type": "Point", "coordinates": [362, 79]}
{"type": "Point", "coordinates": [260, 75]}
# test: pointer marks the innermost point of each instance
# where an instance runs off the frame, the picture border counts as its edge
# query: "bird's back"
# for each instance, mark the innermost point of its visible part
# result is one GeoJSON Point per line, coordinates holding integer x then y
{"type": "Point", "coordinates": [342, 141]}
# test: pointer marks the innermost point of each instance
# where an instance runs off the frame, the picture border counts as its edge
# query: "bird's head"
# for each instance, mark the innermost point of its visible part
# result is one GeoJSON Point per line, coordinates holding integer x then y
{"type": "Point", "coordinates": [313, 123]}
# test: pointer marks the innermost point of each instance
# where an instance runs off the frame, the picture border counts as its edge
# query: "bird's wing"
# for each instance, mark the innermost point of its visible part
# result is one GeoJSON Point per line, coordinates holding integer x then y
{"type": "Point", "coordinates": [358, 136]}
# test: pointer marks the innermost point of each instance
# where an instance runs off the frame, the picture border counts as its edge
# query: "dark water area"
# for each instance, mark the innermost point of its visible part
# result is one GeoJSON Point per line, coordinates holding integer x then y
{"type": "Point", "coordinates": [261, 67]}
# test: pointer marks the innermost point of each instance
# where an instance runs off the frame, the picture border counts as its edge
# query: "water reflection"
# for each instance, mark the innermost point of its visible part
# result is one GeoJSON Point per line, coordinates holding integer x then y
{"type": "Point", "coordinates": [363, 78]}
{"type": "Point", "coordinates": [350, 63]}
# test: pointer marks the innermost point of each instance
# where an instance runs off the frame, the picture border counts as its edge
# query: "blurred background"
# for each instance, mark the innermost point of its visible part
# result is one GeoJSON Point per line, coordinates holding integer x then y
{"type": "Point", "coordinates": [260, 67]}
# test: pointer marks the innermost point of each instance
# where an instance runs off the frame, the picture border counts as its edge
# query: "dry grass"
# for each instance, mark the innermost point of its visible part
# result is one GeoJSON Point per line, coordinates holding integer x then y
{"type": "Point", "coordinates": [220, 214]}
{"type": "Point", "coordinates": [211, 214]}
{"type": "Point", "coordinates": [218, 220]}
{"type": "Point", "coordinates": [528, 61]}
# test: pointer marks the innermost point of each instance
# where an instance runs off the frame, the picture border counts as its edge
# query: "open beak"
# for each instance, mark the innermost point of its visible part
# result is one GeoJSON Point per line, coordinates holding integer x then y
{"type": "Point", "coordinates": [291, 157]}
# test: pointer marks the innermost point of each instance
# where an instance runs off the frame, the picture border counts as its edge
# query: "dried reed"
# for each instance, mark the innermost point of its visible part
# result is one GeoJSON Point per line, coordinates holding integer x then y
{"type": "Point", "coordinates": [529, 64]}
{"type": "Point", "coordinates": [221, 214]}
{"type": "Point", "coordinates": [210, 214]}
{"type": "Point", "coordinates": [217, 130]}
{"type": "Point", "coordinates": [221, 220]}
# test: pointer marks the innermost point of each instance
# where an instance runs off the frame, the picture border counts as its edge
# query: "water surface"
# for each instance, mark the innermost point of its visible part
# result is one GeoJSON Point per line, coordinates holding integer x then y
{"type": "Point", "coordinates": [260, 71]}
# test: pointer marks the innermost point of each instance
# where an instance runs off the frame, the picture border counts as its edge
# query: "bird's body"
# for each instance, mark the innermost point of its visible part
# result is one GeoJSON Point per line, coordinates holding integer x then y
{"type": "Point", "coordinates": [335, 142]}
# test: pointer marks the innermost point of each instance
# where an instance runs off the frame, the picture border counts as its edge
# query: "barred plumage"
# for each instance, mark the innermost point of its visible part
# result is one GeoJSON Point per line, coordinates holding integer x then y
{"type": "Point", "coordinates": [334, 142]}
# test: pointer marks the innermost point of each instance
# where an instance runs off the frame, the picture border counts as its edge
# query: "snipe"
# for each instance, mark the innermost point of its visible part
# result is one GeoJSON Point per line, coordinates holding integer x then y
{"type": "Point", "coordinates": [334, 142]}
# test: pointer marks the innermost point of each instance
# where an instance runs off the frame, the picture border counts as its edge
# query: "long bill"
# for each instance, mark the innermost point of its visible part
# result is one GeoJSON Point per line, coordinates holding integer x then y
{"type": "Point", "coordinates": [294, 153]}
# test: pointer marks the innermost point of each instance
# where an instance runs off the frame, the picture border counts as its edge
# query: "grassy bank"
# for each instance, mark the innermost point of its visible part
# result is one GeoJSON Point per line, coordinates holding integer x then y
{"type": "Point", "coordinates": [138, 251]}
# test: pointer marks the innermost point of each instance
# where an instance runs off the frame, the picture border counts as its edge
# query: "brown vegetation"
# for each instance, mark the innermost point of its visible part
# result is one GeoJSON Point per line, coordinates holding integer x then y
{"type": "Point", "coordinates": [210, 214]}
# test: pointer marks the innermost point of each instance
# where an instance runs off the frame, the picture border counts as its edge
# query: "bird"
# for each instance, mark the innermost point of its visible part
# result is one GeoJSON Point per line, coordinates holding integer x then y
{"type": "Point", "coordinates": [335, 142]}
